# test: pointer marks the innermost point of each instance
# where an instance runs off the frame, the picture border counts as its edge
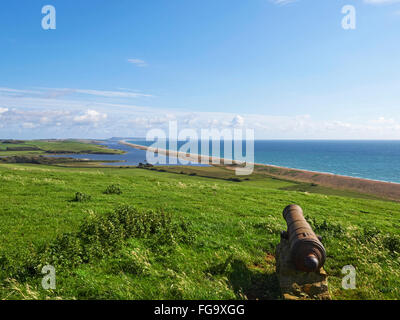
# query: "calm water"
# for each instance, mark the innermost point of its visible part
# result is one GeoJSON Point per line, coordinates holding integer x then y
{"type": "Point", "coordinates": [132, 157]}
{"type": "Point", "coordinates": [377, 160]}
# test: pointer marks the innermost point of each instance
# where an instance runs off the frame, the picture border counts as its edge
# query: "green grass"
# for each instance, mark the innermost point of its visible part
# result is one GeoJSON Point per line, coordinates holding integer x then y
{"type": "Point", "coordinates": [259, 178]}
{"type": "Point", "coordinates": [36, 147]}
{"type": "Point", "coordinates": [182, 236]}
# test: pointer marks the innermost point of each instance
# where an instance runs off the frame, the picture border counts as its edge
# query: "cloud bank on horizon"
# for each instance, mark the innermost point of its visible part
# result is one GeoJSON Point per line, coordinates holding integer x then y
{"type": "Point", "coordinates": [32, 115]}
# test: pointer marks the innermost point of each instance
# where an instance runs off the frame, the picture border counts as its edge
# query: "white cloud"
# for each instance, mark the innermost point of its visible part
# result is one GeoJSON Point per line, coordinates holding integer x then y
{"type": "Point", "coordinates": [45, 120]}
{"type": "Point", "coordinates": [63, 118]}
{"type": "Point", "coordinates": [28, 119]}
{"type": "Point", "coordinates": [111, 94]}
{"type": "Point", "coordinates": [91, 116]}
{"type": "Point", "coordinates": [283, 2]}
{"type": "Point", "coordinates": [100, 123]}
{"type": "Point", "coordinates": [138, 62]}
{"type": "Point", "coordinates": [58, 92]}
{"type": "Point", "coordinates": [52, 93]}
{"type": "Point", "coordinates": [237, 121]}
{"type": "Point", "coordinates": [28, 125]}
{"type": "Point", "coordinates": [384, 121]}
{"type": "Point", "coordinates": [17, 91]}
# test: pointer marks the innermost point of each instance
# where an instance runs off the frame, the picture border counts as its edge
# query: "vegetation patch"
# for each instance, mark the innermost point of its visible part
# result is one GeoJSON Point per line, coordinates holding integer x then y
{"type": "Point", "coordinates": [113, 189]}
{"type": "Point", "coordinates": [103, 236]}
{"type": "Point", "coordinates": [29, 147]}
{"type": "Point", "coordinates": [38, 160]}
{"type": "Point", "coordinates": [81, 197]}
{"type": "Point", "coordinates": [100, 236]}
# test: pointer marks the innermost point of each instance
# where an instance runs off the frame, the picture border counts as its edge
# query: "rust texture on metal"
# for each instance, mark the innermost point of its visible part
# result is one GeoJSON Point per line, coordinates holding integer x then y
{"type": "Point", "coordinates": [306, 250]}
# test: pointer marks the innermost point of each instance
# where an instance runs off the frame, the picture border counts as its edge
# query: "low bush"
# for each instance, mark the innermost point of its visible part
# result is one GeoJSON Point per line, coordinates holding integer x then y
{"type": "Point", "coordinates": [113, 189]}
{"type": "Point", "coordinates": [392, 243]}
{"type": "Point", "coordinates": [102, 236]}
{"type": "Point", "coordinates": [81, 197]}
{"type": "Point", "coordinates": [144, 165]}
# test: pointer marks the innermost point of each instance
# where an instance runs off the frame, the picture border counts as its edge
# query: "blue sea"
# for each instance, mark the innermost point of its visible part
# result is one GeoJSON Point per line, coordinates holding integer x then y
{"type": "Point", "coordinates": [375, 160]}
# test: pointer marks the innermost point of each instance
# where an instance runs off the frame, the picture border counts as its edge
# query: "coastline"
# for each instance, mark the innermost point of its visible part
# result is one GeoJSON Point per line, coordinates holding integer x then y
{"type": "Point", "coordinates": [201, 159]}
{"type": "Point", "coordinates": [389, 190]}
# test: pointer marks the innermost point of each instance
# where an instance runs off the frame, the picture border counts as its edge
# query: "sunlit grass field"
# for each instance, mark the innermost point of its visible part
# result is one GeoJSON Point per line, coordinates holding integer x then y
{"type": "Point", "coordinates": [177, 235]}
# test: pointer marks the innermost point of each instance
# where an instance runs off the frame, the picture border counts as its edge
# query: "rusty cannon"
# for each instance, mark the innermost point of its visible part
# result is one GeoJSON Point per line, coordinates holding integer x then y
{"type": "Point", "coordinates": [306, 250]}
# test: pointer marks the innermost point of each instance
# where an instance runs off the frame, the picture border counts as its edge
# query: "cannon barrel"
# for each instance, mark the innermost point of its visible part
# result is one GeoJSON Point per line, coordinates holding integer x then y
{"type": "Point", "coordinates": [306, 250]}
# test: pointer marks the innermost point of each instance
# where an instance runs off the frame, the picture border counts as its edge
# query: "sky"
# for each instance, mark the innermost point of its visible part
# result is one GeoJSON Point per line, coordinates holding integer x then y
{"type": "Point", "coordinates": [287, 69]}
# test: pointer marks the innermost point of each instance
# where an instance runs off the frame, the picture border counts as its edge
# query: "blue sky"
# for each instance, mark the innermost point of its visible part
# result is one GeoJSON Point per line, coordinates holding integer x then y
{"type": "Point", "coordinates": [286, 69]}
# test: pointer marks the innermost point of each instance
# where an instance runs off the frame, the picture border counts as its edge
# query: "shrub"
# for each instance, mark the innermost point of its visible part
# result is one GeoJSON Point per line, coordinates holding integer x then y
{"type": "Point", "coordinates": [81, 197]}
{"type": "Point", "coordinates": [144, 165]}
{"type": "Point", "coordinates": [113, 189]}
{"type": "Point", "coordinates": [101, 236]}
{"type": "Point", "coordinates": [392, 243]}
{"type": "Point", "coordinates": [66, 250]}
{"type": "Point", "coordinates": [104, 236]}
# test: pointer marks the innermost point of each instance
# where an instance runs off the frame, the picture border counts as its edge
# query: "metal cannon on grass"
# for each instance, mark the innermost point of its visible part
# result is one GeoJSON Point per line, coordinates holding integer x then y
{"type": "Point", "coordinates": [306, 250]}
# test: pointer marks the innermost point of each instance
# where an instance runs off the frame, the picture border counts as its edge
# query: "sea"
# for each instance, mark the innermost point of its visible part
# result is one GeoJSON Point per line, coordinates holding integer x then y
{"type": "Point", "coordinates": [374, 160]}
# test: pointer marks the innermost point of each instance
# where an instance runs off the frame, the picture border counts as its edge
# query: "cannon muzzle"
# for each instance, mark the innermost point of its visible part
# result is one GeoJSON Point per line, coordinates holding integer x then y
{"type": "Point", "coordinates": [306, 250]}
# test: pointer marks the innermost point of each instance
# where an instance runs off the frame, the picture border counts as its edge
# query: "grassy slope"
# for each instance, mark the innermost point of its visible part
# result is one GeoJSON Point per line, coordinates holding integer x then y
{"type": "Point", "coordinates": [60, 146]}
{"type": "Point", "coordinates": [236, 227]}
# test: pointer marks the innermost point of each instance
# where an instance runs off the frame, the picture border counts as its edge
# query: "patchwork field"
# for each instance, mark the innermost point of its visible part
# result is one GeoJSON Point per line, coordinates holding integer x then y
{"type": "Point", "coordinates": [130, 233]}
{"type": "Point", "coordinates": [40, 147]}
